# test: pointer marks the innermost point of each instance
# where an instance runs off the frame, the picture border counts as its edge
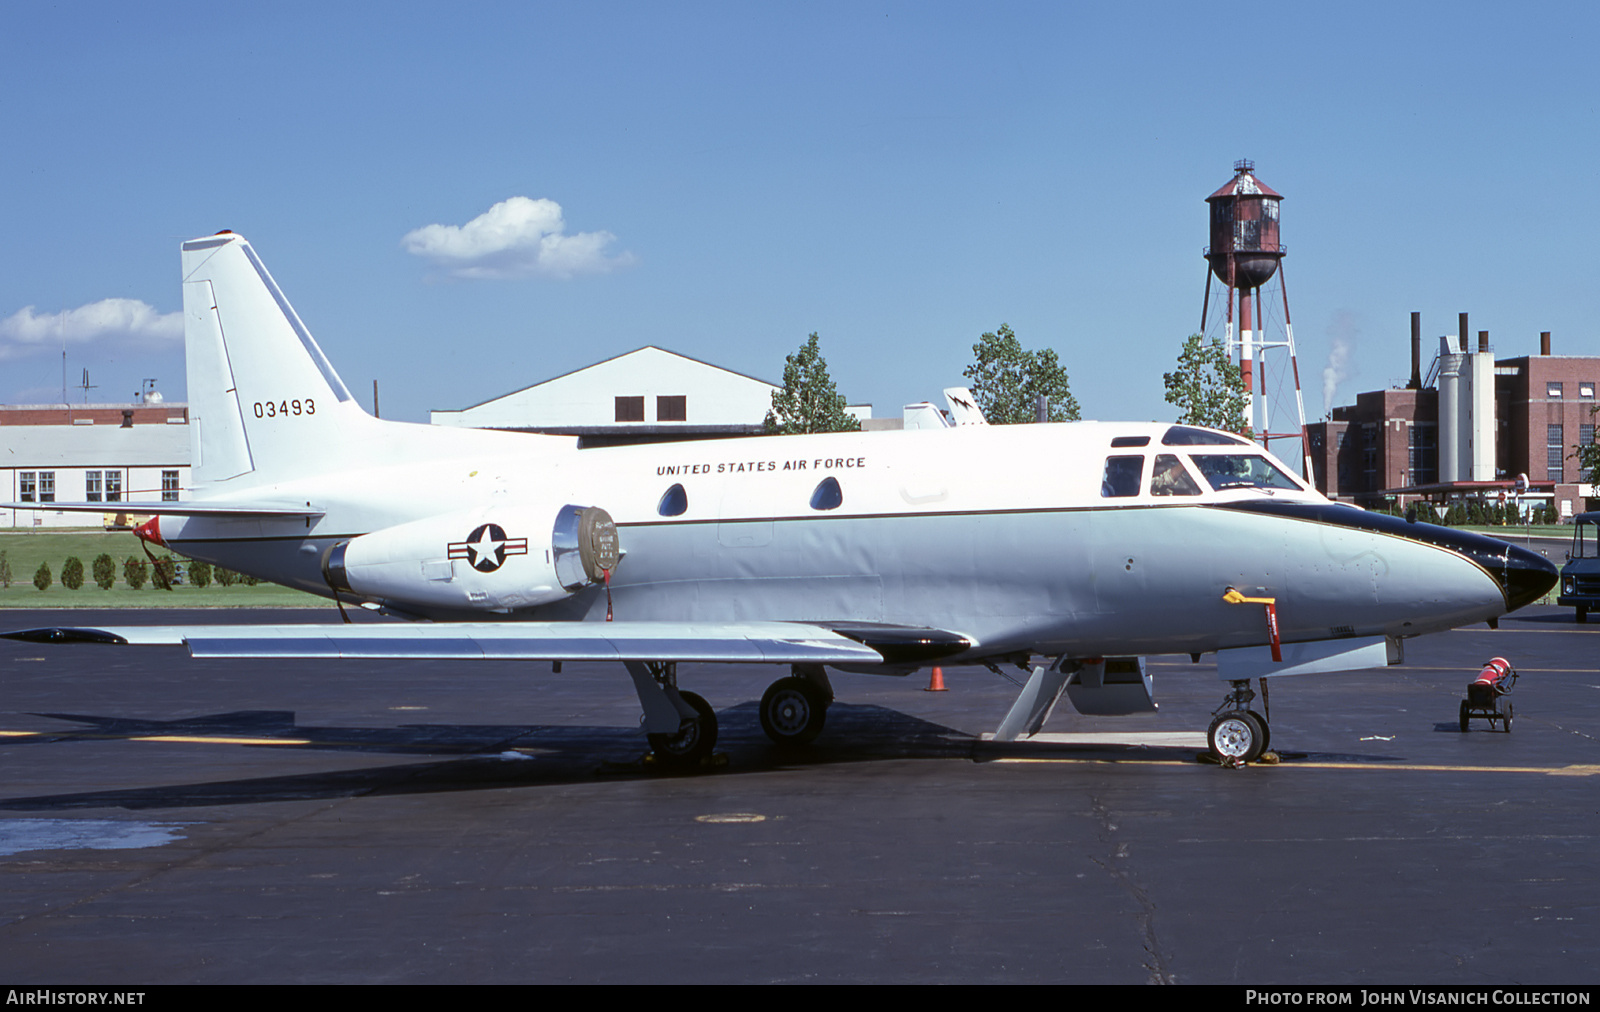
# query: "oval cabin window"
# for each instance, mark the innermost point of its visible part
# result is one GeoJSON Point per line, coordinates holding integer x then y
{"type": "Point", "coordinates": [828, 495]}
{"type": "Point", "coordinates": [674, 501]}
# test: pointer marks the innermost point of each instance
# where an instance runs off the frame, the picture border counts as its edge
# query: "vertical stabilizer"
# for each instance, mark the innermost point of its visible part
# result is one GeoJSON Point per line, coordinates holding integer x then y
{"type": "Point", "coordinates": [264, 401]}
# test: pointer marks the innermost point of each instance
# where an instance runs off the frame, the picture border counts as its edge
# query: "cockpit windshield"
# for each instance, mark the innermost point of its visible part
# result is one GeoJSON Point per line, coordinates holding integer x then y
{"type": "Point", "coordinates": [1240, 470]}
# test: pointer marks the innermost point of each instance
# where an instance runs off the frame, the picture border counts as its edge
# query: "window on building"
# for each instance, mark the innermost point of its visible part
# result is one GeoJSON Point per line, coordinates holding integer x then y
{"type": "Point", "coordinates": [672, 409]}
{"type": "Point", "coordinates": [1552, 390]}
{"type": "Point", "coordinates": [28, 486]}
{"type": "Point", "coordinates": [1586, 390]}
{"type": "Point", "coordinates": [47, 486]}
{"type": "Point", "coordinates": [169, 486]}
{"type": "Point", "coordinates": [91, 486]}
{"type": "Point", "coordinates": [1555, 454]}
{"type": "Point", "coordinates": [1423, 454]}
{"type": "Point", "coordinates": [113, 486]}
{"type": "Point", "coordinates": [630, 409]}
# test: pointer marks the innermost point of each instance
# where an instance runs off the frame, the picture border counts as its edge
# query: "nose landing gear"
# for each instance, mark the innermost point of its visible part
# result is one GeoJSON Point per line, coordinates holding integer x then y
{"type": "Point", "coordinates": [1238, 734]}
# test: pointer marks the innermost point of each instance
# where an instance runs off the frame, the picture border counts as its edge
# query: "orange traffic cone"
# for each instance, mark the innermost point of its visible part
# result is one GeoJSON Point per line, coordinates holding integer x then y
{"type": "Point", "coordinates": [936, 682]}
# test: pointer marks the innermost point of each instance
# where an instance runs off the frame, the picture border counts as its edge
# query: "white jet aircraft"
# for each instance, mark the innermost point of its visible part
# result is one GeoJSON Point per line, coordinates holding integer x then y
{"type": "Point", "coordinates": [866, 552]}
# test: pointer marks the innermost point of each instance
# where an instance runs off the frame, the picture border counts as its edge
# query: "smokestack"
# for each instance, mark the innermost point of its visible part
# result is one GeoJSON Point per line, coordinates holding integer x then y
{"type": "Point", "coordinates": [1463, 341]}
{"type": "Point", "coordinates": [1416, 352]}
{"type": "Point", "coordinates": [1544, 342]}
{"type": "Point", "coordinates": [1483, 340]}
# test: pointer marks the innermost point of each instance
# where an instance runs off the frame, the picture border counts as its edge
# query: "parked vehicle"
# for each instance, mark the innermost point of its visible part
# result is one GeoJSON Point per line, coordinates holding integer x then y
{"type": "Point", "coordinates": [1580, 577]}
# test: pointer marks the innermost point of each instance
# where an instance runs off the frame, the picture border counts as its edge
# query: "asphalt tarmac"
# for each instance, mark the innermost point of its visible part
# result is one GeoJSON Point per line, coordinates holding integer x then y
{"type": "Point", "coordinates": [167, 820]}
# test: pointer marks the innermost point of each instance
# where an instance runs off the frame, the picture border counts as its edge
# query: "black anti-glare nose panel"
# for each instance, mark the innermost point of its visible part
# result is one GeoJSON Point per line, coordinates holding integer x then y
{"type": "Point", "coordinates": [1523, 576]}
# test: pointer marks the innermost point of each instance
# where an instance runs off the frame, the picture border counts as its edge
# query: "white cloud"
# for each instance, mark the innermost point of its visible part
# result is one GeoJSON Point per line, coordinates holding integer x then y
{"type": "Point", "coordinates": [519, 237]}
{"type": "Point", "coordinates": [120, 321]}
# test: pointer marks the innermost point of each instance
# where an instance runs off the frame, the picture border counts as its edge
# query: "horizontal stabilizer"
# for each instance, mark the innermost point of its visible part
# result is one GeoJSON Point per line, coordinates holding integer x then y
{"type": "Point", "coordinates": [171, 509]}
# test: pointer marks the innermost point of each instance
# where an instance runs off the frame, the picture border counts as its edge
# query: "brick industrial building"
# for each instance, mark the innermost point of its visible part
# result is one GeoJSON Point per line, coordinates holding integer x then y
{"type": "Point", "coordinates": [1470, 428]}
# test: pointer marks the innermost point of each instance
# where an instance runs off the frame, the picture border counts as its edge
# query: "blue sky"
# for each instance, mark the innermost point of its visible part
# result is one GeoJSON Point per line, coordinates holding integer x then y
{"type": "Point", "coordinates": [731, 177]}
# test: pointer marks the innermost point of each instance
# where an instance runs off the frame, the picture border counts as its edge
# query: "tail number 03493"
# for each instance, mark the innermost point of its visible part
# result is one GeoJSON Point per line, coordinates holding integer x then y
{"type": "Point", "coordinates": [275, 409]}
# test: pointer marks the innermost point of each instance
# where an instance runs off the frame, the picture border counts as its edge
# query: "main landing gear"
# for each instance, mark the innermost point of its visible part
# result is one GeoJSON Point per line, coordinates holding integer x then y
{"type": "Point", "coordinates": [794, 709]}
{"type": "Point", "coordinates": [1238, 734]}
{"type": "Point", "coordinates": [680, 726]}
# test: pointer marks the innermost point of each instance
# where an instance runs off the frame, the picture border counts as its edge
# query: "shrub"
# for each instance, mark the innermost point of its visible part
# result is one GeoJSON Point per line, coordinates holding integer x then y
{"type": "Point", "coordinates": [72, 573]}
{"type": "Point", "coordinates": [200, 573]}
{"type": "Point", "coordinates": [41, 576]}
{"type": "Point", "coordinates": [226, 577]}
{"type": "Point", "coordinates": [5, 570]}
{"type": "Point", "coordinates": [105, 571]}
{"type": "Point", "coordinates": [164, 573]}
{"type": "Point", "coordinates": [135, 571]}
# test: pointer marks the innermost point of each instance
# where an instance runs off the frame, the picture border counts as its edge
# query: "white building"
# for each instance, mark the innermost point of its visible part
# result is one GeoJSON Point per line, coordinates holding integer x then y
{"type": "Point", "coordinates": [119, 454]}
{"type": "Point", "coordinates": [646, 395]}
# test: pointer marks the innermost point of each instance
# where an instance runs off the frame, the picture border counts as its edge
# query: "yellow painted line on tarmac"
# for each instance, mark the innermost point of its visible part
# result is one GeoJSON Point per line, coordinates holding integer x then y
{"type": "Point", "coordinates": [207, 740]}
{"type": "Point", "coordinates": [19, 734]}
{"type": "Point", "coordinates": [1581, 770]}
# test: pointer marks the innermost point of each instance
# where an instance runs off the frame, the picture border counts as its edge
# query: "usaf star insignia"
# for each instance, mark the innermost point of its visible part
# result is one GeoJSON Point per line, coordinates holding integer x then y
{"type": "Point", "coordinates": [487, 547]}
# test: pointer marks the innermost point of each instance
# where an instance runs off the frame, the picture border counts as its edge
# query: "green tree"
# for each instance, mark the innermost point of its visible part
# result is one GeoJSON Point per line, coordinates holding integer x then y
{"type": "Point", "coordinates": [105, 571]}
{"type": "Point", "coordinates": [72, 573]}
{"type": "Point", "coordinates": [41, 576]}
{"type": "Point", "coordinates": [1007, 379]}
{"type": "Point", "coordinates": [200, 573]}
{"type": "Point", "coordinates": [5, 570]}
{"type": "Point", "coordinates": [808, 401]}
{"type": "Point", "coordinates": [1207, 387]}
{"type": "Point", "coordinates": [135, 571]}
{"type": "Point", "coordinates": [226, 577]}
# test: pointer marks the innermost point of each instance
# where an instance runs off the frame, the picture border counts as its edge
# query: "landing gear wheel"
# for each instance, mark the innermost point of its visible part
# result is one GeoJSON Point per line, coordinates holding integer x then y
{"type": "Point", "coordinates": [1466, 717]}
{"type": "Point", "coordinates": [1266, 730]}
{"type": "Point", "coordinates": [691, 743]}
{"type": "Point", "coordinates": [1236, 737]}
{"type": "Point", "coordinates": [793, 711]}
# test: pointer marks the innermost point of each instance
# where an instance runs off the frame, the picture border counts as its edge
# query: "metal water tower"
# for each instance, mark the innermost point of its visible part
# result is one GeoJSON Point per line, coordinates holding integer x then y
{"type": "Point", "coordinates": [1245, 255]}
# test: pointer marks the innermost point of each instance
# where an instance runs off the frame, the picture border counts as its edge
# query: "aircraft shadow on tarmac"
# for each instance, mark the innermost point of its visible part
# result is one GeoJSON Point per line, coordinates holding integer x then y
{"type": "Point", "coordinates": [487, 757]}
{"type": "Point", "coordinates": [480, 756]}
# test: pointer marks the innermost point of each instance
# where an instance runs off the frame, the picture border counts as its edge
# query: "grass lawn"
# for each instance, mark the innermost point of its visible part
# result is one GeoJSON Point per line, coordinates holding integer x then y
{"type": "Point", "coordinates": [25, 550]}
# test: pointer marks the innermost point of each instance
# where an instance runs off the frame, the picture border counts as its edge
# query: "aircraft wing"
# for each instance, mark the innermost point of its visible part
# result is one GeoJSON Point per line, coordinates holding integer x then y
{"type": "Point", "coordinates": [180, 509]}
{"type": "Point", "coordinates": [717, 642]}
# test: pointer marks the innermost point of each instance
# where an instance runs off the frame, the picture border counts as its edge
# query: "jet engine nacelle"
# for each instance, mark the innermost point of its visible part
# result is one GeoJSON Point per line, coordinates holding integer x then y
{"type": "Point", "coordinates": [490, 559]}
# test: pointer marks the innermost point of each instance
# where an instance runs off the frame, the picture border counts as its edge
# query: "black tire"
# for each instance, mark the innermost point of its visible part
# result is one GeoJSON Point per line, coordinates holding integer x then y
{"type": "Point", "coordinates": [1583, 613]}
{"type": "Point", "coordinates": [1466, 719]}
{"type": "Point", "coordinates": [1506, 722]}
{"type": "Point", "coordinates": [693, 742]}
{"type": "Point", "coordinates": [1236, 736]}
{"type": "Point", "coordinates": [793, 711]}
{"type": "Point", "coordinates": [1266, 730]}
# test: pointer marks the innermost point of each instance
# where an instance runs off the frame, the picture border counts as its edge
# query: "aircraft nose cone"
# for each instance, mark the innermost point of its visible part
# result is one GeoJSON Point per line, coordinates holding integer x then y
{"type": "Point", "coordinates": [1523, 575]}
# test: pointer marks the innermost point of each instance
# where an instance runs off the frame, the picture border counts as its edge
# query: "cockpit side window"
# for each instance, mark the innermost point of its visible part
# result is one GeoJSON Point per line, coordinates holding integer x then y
{"type": "Point", "coordinates": [1122, 477]}
{"type": "Point", "coordinates": [1171, 478]}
